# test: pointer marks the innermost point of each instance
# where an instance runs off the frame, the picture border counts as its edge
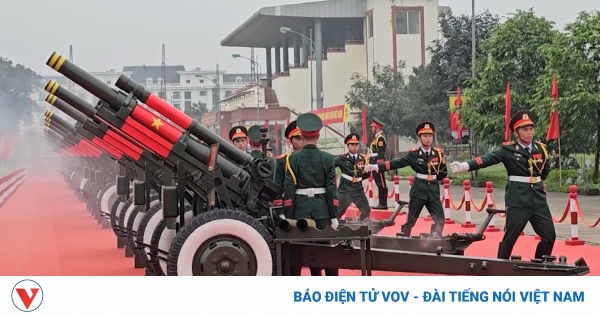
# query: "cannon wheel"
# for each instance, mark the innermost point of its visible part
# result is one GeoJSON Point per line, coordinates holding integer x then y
{"type": "Point", "coordinates": [146, 227]}
{"type": "Point", "coordinates": [222, 243]}
{"type": "Point", "coordinates": [108, 199]}
{"type": "Point", "coordinates": [133, 232]}
{"type": "Point", "coordinates": [113, 210]}
{"type": "Point", "coordinates": [114, 216]}
{"type": "Point", "coordinates": [161, 241]}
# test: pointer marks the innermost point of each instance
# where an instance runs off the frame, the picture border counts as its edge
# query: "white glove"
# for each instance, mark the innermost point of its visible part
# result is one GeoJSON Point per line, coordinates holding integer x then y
{"type": "Point", "coordinates": [371, 168]}
{"type": "Point", "coordinates": [335, 223]}
{"type": "Point", "coordinates": [457, 167]}
{"type": "Point", "coordinates": [282, 216]}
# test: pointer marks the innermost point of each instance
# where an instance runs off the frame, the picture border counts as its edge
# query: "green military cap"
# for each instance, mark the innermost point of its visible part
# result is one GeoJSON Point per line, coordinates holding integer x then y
{"type": "Point", "coordinates": [254, 134]}
{"type": "Point", "coordinates": [424, 128]}
{"type": "Point", "coordinates": [377, 123]}
{"type": "Point", "coordinates": [309, 124]}
{"type": "Point", "coordinates": [521, 119]}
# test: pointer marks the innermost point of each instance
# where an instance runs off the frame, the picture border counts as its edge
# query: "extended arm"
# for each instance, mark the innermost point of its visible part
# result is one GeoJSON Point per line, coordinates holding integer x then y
{"type": "Point", "coordinates": [394, 164]}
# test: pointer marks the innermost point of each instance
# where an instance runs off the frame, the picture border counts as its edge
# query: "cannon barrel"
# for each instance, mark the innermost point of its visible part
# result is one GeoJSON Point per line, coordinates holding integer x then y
{"type": "Point", "coordinates": [184, 121]}
{"type": "Point", "coordinates": [68, 144]}
{"type": "Point", "coordinates": [152, 138]}
{"type": "Point", "coordinates": [64, 107]}
{"type": "Point", "coordinates": [59, 121]}
{"type": "Point", "coordinates": [305, 224]}
{"type": "Point", "coordinates": [82, 144]}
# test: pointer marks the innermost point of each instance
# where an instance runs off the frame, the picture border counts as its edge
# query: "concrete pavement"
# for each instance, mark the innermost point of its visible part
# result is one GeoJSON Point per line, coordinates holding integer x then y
{"type": "Point", "coordinates": [590, 206]}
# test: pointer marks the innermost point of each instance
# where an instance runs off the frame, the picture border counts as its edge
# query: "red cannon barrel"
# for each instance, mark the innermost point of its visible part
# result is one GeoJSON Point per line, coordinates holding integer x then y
{"type": "Point", "coordinates": [71, 147]}
{"type": "Point", "coordinates": [131, 127]}
{"type": "Point", "coordinates": [184, 121]}
{"type": "Point", "coordinates": [84, 144]}
{"type": "Point", "coordinates": [110, 137]}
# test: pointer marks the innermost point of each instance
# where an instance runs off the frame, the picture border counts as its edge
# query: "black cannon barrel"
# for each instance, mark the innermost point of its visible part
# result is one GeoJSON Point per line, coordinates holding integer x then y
{"type": "Point", "coordinates": [184, 121]}
{"type": "Point", "coordinates": [61, 105]}
{"type": "Point", "coordinates": [59, 121]}
{"type": "Point", "coordinates": [53, 135]}
{"type": "Point", "coordinates": [115, 100]}
{"type": "Point", "coordinates": [57, 127]}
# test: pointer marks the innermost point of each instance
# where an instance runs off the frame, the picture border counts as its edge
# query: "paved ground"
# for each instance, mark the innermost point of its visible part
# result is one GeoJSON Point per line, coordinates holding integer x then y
{"type": "Point", "coordinates": [590, 206]}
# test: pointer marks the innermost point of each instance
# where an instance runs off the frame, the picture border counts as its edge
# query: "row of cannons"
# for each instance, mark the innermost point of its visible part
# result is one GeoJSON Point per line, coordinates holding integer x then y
{"type": "Point", "coordinates": [185, 202]}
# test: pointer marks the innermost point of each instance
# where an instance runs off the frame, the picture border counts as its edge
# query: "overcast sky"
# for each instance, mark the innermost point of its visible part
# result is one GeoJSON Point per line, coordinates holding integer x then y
{"type": "Point", "coordinates": [109, 34]}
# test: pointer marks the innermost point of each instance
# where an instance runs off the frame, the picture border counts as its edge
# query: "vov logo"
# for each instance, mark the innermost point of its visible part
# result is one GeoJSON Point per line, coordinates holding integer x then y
{"type": "Point", "coordinates": [27, 295]}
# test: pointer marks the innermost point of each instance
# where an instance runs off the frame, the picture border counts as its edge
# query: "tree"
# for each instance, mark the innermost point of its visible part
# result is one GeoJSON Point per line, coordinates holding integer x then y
{"type": "Point", "coordinates": [197, 110]}
{"type": "Point", "coordinates": [16, 84]}
{"type": "Point", "coordinates": [574, 58]}
{"type": "Point", "coordinates": [511, 53]}
{"type": "Point", "coordinates": [382, 94]}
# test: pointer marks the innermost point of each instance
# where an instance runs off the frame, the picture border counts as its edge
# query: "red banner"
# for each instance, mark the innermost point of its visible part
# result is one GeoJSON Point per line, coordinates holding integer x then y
{"type": "Point", "coordinates": [457, 130]}
{"type": "Point", "coordinates": [333, 114]}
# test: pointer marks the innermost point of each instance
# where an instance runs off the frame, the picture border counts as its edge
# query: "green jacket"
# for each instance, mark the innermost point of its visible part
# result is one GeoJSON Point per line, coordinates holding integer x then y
{"type": "Point", "coordinates": [310, 167]}
{"type": "Point", "coordinates": [518, 162]}
{"type": "Point", "coordinates": [353, 169]}
{"type": "Point", "coordinates": [377, 146]}
{"type": "Point", "coordinates": [432, 168]}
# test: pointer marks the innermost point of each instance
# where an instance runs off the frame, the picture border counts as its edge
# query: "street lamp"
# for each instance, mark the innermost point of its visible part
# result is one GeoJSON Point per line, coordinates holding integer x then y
{"type": "Point", "coordinates": [313, 47]}
{"type": "Point", "coordinates": [235, 56]}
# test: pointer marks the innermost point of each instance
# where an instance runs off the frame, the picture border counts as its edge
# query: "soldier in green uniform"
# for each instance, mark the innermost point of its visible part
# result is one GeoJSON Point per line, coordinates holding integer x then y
{"type": "Point", "coordinates": [527, 165]}
{"type": "Point", "coordinates": [377, 155]}
{"type": "Point", "coordinates": [239, 136]}
{"type": "Point", "coordinates": [292, 133]}
{"type": "Point", "coordinates": [309, 185]}
{"type": "Point", "coordinates": [350, 188]}
{"type": "Point", "coordinates": [429, 165]}
{"type": "Point", "coordinates": [254, 135]}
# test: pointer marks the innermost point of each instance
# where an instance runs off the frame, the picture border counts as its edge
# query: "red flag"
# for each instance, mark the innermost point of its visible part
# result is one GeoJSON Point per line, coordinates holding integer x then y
{"type": "Point", "coordinates": [287, 141]}
{"type": "Point", "coordinates": [507, 117]}
{"type": "Point", "coordinates": [276, 132]}
{"type": "Point", "coordinates": [455, 116]}
{"type": "Point", "coordinates": [364, 124]}
{"type": "Point", "coordinates": [553, 127]}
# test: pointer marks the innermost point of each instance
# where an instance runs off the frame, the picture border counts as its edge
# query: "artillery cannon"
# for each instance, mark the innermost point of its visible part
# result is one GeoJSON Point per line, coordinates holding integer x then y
{"type": "Point", "coordinates": [216, 201]}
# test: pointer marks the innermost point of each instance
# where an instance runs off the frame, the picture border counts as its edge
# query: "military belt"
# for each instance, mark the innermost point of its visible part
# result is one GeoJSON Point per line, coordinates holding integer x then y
{"type": "Point", "coordinates": [425, 176]}
{"type": "Point", "coordinates": [525, 179]}
{"type": "Point", "coordinates": [310, 192]}
{"type": "Point", "coordinates": [352, 179]}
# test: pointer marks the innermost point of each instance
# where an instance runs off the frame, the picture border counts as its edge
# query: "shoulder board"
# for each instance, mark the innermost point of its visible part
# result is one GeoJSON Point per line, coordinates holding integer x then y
{"type": "Point", "coordinates": [540, 143]}
{"type": "Point", "coordinates": [439, 150]}
{"type": "Point", "coordinates": [414, 149]}
{"type": "Point", "coordinates": [508, 143]}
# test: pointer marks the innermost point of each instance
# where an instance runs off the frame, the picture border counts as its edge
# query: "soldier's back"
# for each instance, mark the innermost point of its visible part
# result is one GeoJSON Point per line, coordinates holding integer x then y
{"type": "Point", "coordinates": [310, 165]}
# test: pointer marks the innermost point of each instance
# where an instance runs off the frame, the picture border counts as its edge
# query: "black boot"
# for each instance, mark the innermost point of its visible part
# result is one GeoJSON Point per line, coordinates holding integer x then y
{"type": "Point", "coordinates": [405, 230]}
{"type": "Point", "coordinates": [504, 250]}
{"type": "Point", "coordinates": [542, 249]}
{"type": "Point", "coordinates": [315, 272]}
{"type": "Point", "coordinates": [383, 192]}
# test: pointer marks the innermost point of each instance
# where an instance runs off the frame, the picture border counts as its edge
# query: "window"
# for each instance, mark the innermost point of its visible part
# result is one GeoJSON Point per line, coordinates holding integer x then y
{"type": "Point", "coordinates": [188, 105]}
{"type": "Point", "coordinates": [370, 25]}
{"type": "Point", "coordinates": [201, 81]}
{"type": "Point", "coordinates": [408, 22]}
{"type": "Point", "coordinates": [162, 95]}
{"type": "Point", "coordinates": [149, 81]}
{"type": "Point", "coordinates": [202, 93]}
{"type": "Point", "coordinates": [188, 81]}
{"type": "Point", "coordinates": [187, 95]}
{"type": "Point", "coordinates": [108, 82]}
{"type": "Point", "coordinates": [238, 79]}
{"type": "Point", "coordinates": [177, 95]}
{"type": "Point", "coordinates": [177, 105]}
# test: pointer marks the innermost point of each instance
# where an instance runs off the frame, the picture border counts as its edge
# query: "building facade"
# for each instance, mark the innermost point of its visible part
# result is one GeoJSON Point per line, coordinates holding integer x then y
{"type": "Point", "coordinates": [185, 89]}
{"type": "Point", "coordinates": [313, 49]}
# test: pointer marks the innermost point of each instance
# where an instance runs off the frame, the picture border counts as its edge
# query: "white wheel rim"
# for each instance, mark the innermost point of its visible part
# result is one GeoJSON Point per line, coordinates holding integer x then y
{"type": "Point", "coordinates": [166, 239]}
{"type": "Point", "coordinates": [264, 261]}
{"type": "Point", "coordinates": [82, 183]}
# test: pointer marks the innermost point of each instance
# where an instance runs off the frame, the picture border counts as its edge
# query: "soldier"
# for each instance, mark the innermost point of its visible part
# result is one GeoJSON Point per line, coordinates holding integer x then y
{"type": "Point", "coordinates": [239, 136]}
{"type": "Point", "coordinates": [293, 134]}
{"type": "Point", "coordinates": [525, 198]}
{"type": "Point", "coordinates": [376, 156]}
{"type": "Point", "coordinates": [350, 189]}
{"type": "Point", "coordinates": [429, 165]}
{"type": "Point", "coordinates": [309, 185]}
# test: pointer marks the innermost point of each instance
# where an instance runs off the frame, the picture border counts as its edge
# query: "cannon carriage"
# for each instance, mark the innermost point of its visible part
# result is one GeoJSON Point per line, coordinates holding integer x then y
{"type": "Point", "coordinates": [185, 202]}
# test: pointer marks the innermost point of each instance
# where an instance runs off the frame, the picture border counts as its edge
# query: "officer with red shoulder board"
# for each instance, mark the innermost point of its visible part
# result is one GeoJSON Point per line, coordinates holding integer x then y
{"type": "Point", "coordinates": [292, 133]}
{"type": "Point", "coordinates": [527, 165]}
{"type": "Point", "coordinates": [429, 165]}
{"type": "Point", "coordinates": [377, 155]}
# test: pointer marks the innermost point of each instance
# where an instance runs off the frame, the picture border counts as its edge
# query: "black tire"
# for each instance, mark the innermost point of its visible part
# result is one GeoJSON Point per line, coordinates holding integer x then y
{"type": "Point", "coordinates": [114, 217]}
{"type": "Point", "coordinates": [142, 231]}
{"type": "Point", "coordinates": [247, 238]}
{"type": "Point", "coordinates": [113, 211]}
{"type": "Point", "coordinates": [132, 235]}
{"type": "Point", "coordinates": [154, 262]}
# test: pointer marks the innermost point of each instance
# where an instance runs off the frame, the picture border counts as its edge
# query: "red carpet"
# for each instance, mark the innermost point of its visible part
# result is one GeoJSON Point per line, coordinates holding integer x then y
{"type": "Point", "coordinates": [46, 231]}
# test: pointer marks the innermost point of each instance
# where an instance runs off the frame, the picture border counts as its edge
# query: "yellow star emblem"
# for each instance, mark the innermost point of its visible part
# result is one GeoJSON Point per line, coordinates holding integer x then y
{"type": "Point", "coordinates": [156, 123]}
